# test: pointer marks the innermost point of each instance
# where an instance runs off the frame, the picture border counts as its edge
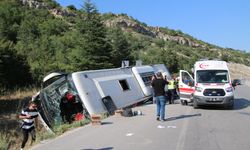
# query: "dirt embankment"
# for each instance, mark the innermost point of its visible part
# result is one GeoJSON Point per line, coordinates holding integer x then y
{"type": "Point", "coordinates": [240, 71]}
{"type": "Point", "coordinates": [9, 122]}
{"type": "Point", "coordinates": [9, 111]}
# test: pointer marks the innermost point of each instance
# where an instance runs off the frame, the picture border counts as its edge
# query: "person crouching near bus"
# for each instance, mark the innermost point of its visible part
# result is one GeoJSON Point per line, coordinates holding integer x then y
{"type": "Point", "coordinates": [158, 85]}
{"type": "Point", "coordinates": [29, 118]}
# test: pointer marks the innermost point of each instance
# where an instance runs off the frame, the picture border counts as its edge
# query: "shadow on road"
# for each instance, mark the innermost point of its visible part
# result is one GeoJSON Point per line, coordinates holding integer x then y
{"type": "Point", "coordinates": [245, 113]}
{"type": "Point", "coordinates": [183, 116]}
{"type": "Point", "coordinates": [106, 148]}
{"type": "Point", "coordinates": [107, 123]}
{"type": "Point", "coordinates": [241, 103]}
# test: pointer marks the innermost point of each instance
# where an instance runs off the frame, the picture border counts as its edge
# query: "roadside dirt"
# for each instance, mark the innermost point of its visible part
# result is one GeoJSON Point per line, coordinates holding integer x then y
{"type": "Point", "coordinates": [239, 71]}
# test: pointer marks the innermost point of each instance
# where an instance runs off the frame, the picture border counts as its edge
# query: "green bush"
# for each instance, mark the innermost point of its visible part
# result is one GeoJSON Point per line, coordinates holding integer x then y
{"type": "Point", "coordinates": [4, 144]}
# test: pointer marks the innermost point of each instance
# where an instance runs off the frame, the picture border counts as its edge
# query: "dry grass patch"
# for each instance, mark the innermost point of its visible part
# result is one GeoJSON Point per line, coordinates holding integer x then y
{"type": "Point", "coordinates": [19, 93]}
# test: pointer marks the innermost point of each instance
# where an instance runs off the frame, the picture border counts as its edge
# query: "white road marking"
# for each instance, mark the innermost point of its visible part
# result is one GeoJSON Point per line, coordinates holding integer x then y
{"type": "Point", "coordinates": [172, 127]}
{"type": "Point", "coordinates": [160, 127]}
{"type": "Point", "coordinates": [129, 134]}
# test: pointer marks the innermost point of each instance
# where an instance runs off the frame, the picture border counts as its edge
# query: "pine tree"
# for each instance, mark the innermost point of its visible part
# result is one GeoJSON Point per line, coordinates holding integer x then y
{"type": "Point", "coordinates": [121, 47]}
{"type": "Point", "coordinates": [94, 51]}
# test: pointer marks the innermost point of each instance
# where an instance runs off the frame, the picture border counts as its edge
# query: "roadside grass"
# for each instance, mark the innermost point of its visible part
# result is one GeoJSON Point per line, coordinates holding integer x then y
{"type": "Point", "coordinates": [19, 93]}
{"type": "Point", "coordinates": [10, 132]}
{"type": "Point", "coordinates": [3, 142]}
{"type": "Point", "coordinates": [11, 139]}
{"type": "Point", "coordinates": [11, 102]}
{"type": "Point", "coordinates": [60, 129]}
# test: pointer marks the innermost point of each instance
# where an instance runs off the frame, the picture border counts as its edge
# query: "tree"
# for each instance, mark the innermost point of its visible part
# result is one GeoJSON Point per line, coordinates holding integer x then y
{"type": "Point", "coordinates": [51, 3]}
{"type": "Point", "coordinates": [224, 57]}
{"type": "Point", "coordinates": [156, 55]}
{"type": "Point", "coordinates": [121, 47]}
{"type": "Point", "coordinates": [71, 7]}
{"type": "Point", "coordinates": [11, 63]}
{"type": "Point", "coordinates": [89, 8]}
{"type": "Point", "coordinates": [10, 18]}
{"type": "Point", "coordinates": [95, 50]}
{"type": "Point", "coordinates": [14, 70]}
{"type": "Point", "coordinates": [160, 43]}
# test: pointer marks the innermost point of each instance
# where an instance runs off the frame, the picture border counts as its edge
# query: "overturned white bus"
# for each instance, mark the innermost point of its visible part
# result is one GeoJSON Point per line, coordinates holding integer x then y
{"type": "Point", "coordinates": [96, 91]}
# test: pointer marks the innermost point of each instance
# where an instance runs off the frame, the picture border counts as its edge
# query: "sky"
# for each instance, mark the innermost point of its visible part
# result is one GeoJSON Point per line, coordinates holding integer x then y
{"type": "Point", "coordinates": [225, 23]}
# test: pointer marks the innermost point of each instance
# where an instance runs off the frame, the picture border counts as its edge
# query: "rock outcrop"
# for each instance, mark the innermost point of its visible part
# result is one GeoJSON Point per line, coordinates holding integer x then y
{"type": "Point", "coordinates": [128, 23]}
{"type": "Point", "coordinates": [33, 4]}
{"type": "Point", "coordinates": [155, 32]}
{"type": "Point", "coordinates": [58, 12]}
{"type": "Point", "coordinates": [61, 12]}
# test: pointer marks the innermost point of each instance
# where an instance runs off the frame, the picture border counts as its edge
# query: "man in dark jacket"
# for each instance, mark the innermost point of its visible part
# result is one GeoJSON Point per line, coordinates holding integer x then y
{"type": "Point", "coordinates": [158, 85]}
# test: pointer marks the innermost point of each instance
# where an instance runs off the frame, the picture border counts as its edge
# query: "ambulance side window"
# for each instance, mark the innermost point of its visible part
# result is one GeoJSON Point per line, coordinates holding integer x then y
{"type": "Point", "coordinates": [186, 79]}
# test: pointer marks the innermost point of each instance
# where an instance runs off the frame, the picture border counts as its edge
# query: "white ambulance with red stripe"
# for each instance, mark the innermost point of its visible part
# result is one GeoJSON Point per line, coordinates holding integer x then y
{"type": "Point", "coordinates": [211, 84]}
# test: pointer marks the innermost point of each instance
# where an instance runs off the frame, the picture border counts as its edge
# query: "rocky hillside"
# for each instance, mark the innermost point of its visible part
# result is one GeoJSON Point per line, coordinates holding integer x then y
{"type": "Point", "coordinates": [130, 24]}
{"type": "Point", "coordinates": [126, 22]}
{"type": "Point", "coordinates": [186, 48]}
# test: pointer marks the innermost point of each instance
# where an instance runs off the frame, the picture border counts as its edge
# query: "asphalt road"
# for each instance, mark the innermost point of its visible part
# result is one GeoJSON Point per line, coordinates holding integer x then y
{"type": "Point", "coordinates": [210, 128]}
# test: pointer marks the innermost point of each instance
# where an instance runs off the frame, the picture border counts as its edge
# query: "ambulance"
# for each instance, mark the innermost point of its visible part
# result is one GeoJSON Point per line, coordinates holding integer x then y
{"type": "Point", "coordinates": [210, 84]}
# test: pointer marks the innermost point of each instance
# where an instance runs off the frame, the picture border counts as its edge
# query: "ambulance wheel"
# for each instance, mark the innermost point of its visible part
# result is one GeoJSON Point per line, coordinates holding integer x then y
{"type": "Point", "coordinates": [230, 106]}
{"type": "Point", "coordinates": [195, 105]}
{"type": "Point", "coordinates": [184, 102]}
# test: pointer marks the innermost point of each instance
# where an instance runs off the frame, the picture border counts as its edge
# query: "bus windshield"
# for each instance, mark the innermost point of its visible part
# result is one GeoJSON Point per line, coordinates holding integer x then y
{"type": "Point", "coordinates": [53, 107]}
{"type": "Point", "coordinates": [212, 76]}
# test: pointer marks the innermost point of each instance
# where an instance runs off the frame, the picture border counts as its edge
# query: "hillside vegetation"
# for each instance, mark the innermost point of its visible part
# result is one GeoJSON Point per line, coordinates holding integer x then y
{"type": "Point", "coordinates": [39, 37]}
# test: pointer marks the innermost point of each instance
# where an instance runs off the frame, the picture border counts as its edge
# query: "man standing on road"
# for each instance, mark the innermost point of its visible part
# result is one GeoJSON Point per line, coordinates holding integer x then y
{"type": "Point", "coordinates": [172, 90]}
{"type": "Point", "coordinates": [158, 85]}
{"type": "Point", "coordinates": [29, 116]}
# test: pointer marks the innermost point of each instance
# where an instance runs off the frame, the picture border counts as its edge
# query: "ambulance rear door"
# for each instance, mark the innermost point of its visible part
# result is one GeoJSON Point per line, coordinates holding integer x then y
{"type": "Point", "coordinates": [186, 87]}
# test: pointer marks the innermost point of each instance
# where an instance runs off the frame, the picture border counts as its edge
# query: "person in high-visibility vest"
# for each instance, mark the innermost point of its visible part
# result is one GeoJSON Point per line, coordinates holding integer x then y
{"type": "Point", "coordinates": [171, 89]}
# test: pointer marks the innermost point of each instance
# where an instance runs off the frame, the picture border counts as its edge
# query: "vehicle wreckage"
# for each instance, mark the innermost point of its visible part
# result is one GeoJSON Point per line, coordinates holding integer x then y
{"type": "Point", "coordinates": [73, 96]}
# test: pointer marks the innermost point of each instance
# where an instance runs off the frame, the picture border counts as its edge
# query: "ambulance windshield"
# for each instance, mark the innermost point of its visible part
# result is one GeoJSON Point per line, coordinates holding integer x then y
{"type": "Point", "coordinates": [212, 76]}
